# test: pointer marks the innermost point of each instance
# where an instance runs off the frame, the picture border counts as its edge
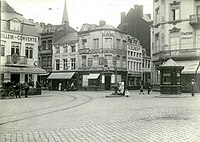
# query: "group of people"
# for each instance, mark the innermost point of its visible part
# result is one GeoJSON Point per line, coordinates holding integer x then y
{"type": "Point", "coordinates": [148, 84]}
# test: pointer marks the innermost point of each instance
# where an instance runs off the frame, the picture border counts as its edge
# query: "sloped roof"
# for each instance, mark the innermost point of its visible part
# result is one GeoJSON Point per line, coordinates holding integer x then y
{"type": "Point", "coordinates": [69, 38]}
{"type": "Point", "coordinates": [170, 63]}
{"type": "Point", "coordinates": [5, 7]}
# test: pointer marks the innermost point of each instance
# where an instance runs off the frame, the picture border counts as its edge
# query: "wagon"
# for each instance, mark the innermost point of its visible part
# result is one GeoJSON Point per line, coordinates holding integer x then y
{"type": "Point", "coordinates": [7, 90]}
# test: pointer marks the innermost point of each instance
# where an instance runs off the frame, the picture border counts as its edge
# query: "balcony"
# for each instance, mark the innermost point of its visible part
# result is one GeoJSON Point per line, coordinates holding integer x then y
{"type": "Point", "coordinates": [177, 54]}
{"type": "Point", "coordinates": [195, 20]}
{"type": "Point", "coordinates": [16, 60]}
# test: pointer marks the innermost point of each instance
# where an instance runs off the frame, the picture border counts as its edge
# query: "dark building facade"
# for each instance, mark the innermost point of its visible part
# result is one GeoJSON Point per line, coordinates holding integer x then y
{"type": "Point", "coordinates": [134, 24]}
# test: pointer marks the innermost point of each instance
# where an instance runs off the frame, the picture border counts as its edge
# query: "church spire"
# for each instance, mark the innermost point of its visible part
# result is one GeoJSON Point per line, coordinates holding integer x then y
{"type": "Point", "coordinates": [65, 15]}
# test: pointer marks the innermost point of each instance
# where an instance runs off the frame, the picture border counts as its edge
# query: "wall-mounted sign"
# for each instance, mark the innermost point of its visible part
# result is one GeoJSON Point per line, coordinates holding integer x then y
{"type": "Point", "coordinates": [18, 37]}
{"type": "Point", "coordinates": [108, 33]}
{"type": "Point", "coordinates": [186, 35]}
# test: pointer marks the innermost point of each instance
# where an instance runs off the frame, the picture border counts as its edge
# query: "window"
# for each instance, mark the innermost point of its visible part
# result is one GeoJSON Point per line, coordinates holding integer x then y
{"type": "Point", "coordinates": [73, 47]}
{"type": "Point", "coordinates": [49, 44]}
{"type": "Point", "coordinates": [157, 42]}
{"type": "Point", "coordinates": [108, 43]}
{"type": "Point", "coordinates": [90, 62]}
{"type": "Point", "coordinates": [166, 78]}
{"type": "Point", "coordinates": [83, 61]}
{"type": "Point", "coordinates": [96, 43]}
{"type": "Point", "coordinates": [43, 45]}
{"type": "Point", "coordinates": [57, 64]}
{"type": "Point", "coordinates": [65, 48]}
{"type": "Point", "coordinates": [84, 41]}
{"type": "Point", "coordinates": [174, 40]}
{"type": "Point", "coordinates": [3, 45]}
{"type": "Point", "coordinates": [49, 62]}
{"type": "Point", "coordinates": [15, 48]}
{"type": "Point", "coordinates": [118, 44]}
{"type": "Point", "coordinates": [73, 63]}
{"type": "Point", "coordinates": [108, 60]}
{"type": "Point", "coordinates": [15, 25]}
{"type": "Point", "coordinates": [57, 49]}
{"type": "Point", "coordinates": [157, 15]}
{"type": "Point", "coordinates": [124, 44]}
{"type": "Point", "coordinates": [96, 60]}
{"type": "Point", "coordinates": [198, 7]}
{"type": "Point", "coordinates": [65, 67]}
{"type": "Point", "coordinates": [29, 51]}
{"type": "Point", "coordinates": [44, 62]}
{"type": "Point", "coordinates": [175, 11]}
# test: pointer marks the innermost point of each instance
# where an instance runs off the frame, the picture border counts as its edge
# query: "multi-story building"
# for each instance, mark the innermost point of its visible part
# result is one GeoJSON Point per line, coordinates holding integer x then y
{"type": "Point", "coordinates": [19, 47]}
{"type": "Point", "coordinates": [46, 52]}
{"type": "Point", "coordinates": [103, 57]}
{"type": "Point", "coordinates": [64, 55]}
{"type": "Point", "coordinates": [137, 25]}
{"type": "Point", "coordinates": [176, 35]}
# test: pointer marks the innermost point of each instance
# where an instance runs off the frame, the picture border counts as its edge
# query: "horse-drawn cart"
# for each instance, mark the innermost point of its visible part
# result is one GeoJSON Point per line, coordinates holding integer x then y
{"type": "Point", "coordinates": [7, 90]}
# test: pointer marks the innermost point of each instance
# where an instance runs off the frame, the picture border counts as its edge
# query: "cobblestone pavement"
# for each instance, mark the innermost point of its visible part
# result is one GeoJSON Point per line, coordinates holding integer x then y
{"type": "Point", "coordinates": [84, 116]}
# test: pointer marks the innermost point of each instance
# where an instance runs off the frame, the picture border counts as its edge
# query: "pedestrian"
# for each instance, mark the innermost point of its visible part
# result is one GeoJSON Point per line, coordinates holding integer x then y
{"type": "Point", "coordinates": [59, 86]}
{"type": "Point", "coordinates": [192, 86]}
{"type": "Point", "coordinates": [26, 88]}
{"type": "Point", "coordinates": [148, 86]}
{"type": "Point", "coordinates": [141, 88]}
{"type": "Point", "coordinates": [50, 86]}
{"type": "Point", "coordinates": [122, 88]}
{"type": "Point", "coordinates": [38, 87]}
{"type": "Point", "coordinates": [126, 93]}
{"type": "Point", "coordinates": [17, 90]}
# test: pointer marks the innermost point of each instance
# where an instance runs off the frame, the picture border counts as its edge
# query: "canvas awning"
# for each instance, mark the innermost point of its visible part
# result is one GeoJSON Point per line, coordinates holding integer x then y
{"type": "Point", "coordinates": [26, 70]}
{"type": "Point", "coordinates": [61, 75]}
{"type": "Point", "coordinates": [93, 76]}
{"type": "Point", "coordinates": [190, 67]}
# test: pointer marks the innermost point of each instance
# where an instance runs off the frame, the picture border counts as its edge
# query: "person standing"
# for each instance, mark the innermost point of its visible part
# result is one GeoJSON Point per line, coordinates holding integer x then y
{"type": "Point", "coordinates": [59, 86]}
{"type": "Point", "coordinates": [50, 86]}
{"type": "Point", "coordinates": [26, 88]}
{"type": "Point", "coordinates": [192, 87]}
{"type": "Point", "coordinates": [141, 88]}
{"type": "Point", "coordinates": [148, 86]}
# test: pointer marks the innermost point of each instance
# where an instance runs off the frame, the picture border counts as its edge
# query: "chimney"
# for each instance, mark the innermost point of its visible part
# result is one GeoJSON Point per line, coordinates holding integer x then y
{"type": "Point", "coordinates": [102, 23]}
{"type": "Point", "coordinates": [31, 20]}
{"type": "Point", "coordinates": [42, 25]}
{"type": "Point", "coordinates": [122, 16]}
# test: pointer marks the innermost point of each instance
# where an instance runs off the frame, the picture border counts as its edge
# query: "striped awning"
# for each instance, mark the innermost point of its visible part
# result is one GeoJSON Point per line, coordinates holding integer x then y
{"type": "Point", "coordinates": [61, 75]}
{"type": "Point", "coordinates": [93, 76]}
{"type": "Point", "coordinates": [25, 70]}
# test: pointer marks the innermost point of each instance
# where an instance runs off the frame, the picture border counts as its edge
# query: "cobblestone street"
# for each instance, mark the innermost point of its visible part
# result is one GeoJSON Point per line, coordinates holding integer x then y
{"type": "Point", "coordinates": [83, 116]}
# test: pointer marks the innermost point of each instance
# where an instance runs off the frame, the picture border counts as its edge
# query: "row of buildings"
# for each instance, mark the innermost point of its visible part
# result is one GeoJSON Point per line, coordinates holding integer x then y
{"type": "Point", "coordinates": [99, 56]}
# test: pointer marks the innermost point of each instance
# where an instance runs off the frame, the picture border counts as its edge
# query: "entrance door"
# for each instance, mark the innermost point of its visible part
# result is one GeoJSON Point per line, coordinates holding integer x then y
{"type": "Point", "coordinates": [107, 82]}
{"type": "Point", "coordinates": [15, 78]}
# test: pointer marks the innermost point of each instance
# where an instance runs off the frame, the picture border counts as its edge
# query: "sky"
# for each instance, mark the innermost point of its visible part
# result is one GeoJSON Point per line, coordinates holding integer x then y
{"type": "Point", "coordinates": [79, 11]}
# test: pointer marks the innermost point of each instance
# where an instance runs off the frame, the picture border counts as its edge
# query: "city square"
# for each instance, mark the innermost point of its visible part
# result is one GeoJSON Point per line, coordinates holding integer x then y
{"type": "Point", "coordinates": [84, 116]}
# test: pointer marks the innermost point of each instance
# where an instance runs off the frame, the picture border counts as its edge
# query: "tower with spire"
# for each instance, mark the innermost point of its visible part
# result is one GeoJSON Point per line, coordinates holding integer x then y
{"type": "Point", "coordinates": [65, 15]}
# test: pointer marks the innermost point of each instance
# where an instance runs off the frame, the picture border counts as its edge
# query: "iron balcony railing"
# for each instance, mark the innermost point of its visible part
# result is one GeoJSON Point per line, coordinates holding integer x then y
{"type": "Point", "coordinates": [195, 19]}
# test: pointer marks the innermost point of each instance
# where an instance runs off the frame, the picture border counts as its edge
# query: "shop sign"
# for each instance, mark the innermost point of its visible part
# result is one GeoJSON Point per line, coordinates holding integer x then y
{"type": "Point", "coordinates": [108, 33]}
{"type": "Point", "coordinates": [186, 35]}
{"type": "Point", "coordinates": [134, 48]}
{"type": "Point", "coordinates": [18, 37]}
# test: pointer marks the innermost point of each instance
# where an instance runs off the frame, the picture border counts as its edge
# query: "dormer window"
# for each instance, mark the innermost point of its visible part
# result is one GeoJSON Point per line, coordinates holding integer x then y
{"type": "Point", "coordinates": [15, 25]}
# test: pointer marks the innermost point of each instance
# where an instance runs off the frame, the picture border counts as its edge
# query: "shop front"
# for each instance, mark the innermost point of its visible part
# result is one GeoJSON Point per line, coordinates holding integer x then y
{"type": "Point", "coordinates": [67, 80]}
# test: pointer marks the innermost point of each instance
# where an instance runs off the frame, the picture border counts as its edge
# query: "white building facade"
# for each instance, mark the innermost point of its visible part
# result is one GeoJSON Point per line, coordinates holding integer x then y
{"type": "Point", "coordinates": [19, 48]}
{"type": "Point", "coordinates": [176, 35]}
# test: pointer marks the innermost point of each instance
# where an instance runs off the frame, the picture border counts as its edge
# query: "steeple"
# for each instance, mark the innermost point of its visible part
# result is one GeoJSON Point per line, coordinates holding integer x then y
{"type": "Point", "coordinates": [65, 15]}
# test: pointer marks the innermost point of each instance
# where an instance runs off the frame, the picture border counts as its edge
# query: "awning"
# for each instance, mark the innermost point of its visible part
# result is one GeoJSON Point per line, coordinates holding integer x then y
{"type": "Point", "coordinates": [61, 75]}
{"type": "Point", "coordinates": [93, 76]}
{"type": "Point", "coordinates": [190, 67]}
{"type": "Point", "coordinates": [26, 70]}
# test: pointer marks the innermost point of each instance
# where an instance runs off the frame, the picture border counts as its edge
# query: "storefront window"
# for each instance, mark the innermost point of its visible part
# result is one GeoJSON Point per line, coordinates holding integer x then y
{"type": "Point", "coordinates": [178, 78]}
{"type": "Point", "coordinates": [166, 78]}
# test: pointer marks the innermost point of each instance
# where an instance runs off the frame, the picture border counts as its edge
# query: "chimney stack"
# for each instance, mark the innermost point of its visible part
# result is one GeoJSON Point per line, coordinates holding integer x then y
{"type": "Point", "coordinates": [102, 23]}
{"type": "Point", "coordinates": [42, 25]}
{"type": "Point", "coordinates": [31, 20]}
{"type": "Point", "coordinates": [122, 16]}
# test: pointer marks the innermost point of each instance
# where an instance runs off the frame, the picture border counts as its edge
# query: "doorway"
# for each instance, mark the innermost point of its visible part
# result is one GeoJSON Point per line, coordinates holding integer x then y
{"type": "Point", "coordinates": [107, 82]}
{"type": "Point", "coordinates": [15, 78]}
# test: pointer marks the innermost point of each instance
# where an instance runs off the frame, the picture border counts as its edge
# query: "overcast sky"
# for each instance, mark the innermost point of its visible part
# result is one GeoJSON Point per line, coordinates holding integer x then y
{"type": "Point", "coordinates": [79, 11]}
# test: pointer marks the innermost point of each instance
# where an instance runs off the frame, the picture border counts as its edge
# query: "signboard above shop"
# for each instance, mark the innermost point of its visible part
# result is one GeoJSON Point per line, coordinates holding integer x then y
{"type": "Point", "coordinates": [18, 37]}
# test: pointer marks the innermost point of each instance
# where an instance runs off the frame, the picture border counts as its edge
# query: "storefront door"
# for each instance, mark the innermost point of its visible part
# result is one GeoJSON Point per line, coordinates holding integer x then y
{"type": "Point", "coordinates": [107, 82]}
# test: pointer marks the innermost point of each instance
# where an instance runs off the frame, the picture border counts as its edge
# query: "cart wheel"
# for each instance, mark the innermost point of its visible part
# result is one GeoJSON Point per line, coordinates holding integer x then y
{"type": "Point", "coordinates": [11, 94]}
{"type": "Point", "coordinates": [3, 94]}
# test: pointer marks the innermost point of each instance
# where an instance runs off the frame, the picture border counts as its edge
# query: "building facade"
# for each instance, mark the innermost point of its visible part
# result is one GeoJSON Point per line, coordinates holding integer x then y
{"type": "Point", "coordinates": [176, 35]}
{"type": "Point", "coordinates": [104, 52]}
{"type": "Point", "coordinates": [19, 47]}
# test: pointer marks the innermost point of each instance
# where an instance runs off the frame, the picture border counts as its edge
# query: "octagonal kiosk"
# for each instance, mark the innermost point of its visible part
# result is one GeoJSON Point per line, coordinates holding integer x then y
{"type": "Point", "coordinates": [170, 78]}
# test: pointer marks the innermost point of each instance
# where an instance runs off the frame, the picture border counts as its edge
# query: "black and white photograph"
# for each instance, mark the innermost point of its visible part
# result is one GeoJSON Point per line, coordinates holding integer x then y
{"type": "Point", "coordinates": [100, 71]}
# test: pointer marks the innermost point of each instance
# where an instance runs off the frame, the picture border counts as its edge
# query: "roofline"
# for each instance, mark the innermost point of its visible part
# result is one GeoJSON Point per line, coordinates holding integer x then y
{"type": "Point", "coordinates": [93, 30]}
